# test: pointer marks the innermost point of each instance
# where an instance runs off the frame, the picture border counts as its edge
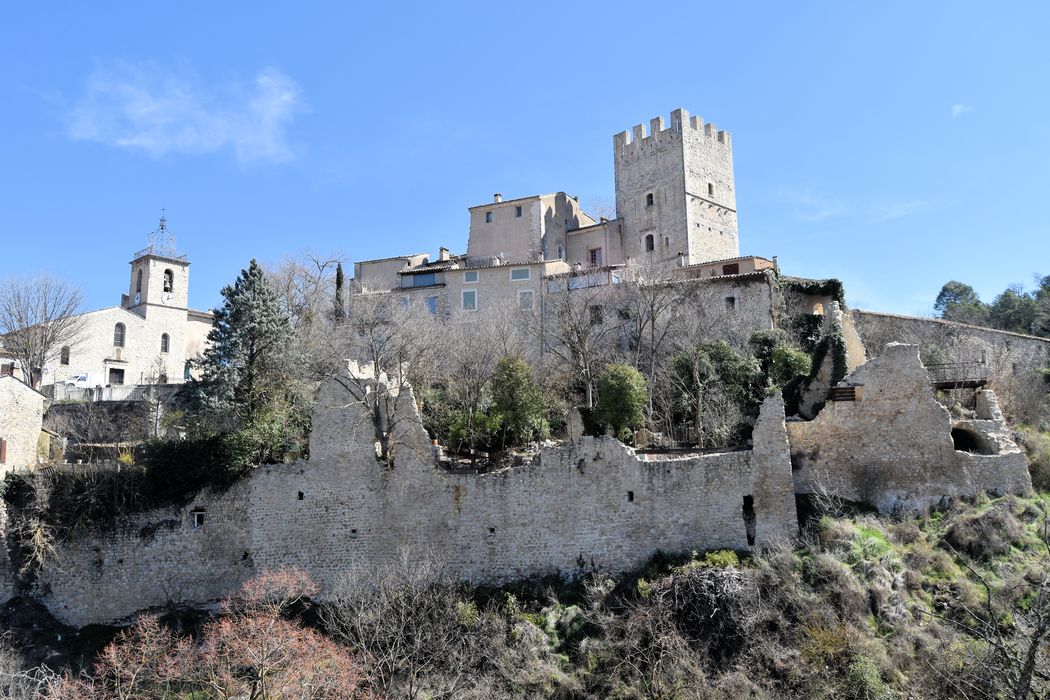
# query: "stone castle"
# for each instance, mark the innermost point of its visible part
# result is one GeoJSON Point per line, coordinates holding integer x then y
{"type": "Point", "coordinates": [876, 435]}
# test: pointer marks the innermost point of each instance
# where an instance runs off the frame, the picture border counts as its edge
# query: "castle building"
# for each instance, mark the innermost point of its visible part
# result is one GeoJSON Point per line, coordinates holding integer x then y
{"type": "Point", "coordinates": [148, 339]}
{"type": "Point", "coordinates": [676, 211]}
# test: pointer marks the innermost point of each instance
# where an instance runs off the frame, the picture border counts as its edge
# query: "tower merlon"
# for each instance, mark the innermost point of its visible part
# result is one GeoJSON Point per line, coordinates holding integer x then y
{"type": "Point", "coordinates": [659, 129]}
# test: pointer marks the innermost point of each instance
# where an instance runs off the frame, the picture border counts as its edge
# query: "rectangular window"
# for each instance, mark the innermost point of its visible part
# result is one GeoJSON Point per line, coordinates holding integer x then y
{"type": "Point", "coordinates": [470, 300]}
{"type": "Point", "coordinates": [488, 217]}
{"type": "Point", "coordinates": [198, 518]}
{"type": "Point", "coordinates": [730, 303]}
{"type": "Point", "coordinates": [116, 376]}
{"type": "Point", "coordinates": [525, 300]}
{"type": "Point", "coordinates": [595, 257]}
{"type": "Point", "coordinates": [470, 276]}
{"type": "Point", "coordinates": [517, 212]}
{"type": "Point", "coordinates": [432, 305]}
{"type": "Point", "coordinates": [731, 269]}
{"type": "Point", "coordinates": [425, 280]}
{"type": "Point", "coordinates": [521, 273]}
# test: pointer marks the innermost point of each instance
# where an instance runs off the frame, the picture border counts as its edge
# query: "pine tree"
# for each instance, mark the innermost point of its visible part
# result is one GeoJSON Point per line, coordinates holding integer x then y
{"type": "Point", "coordinates": [249, 358]}
{"type": "Point", "coordinates": [340, 304]}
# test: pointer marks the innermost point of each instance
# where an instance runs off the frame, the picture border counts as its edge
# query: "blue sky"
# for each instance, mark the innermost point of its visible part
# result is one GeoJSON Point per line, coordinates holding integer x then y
{"type": "Point", "coordinates": [892, 145]}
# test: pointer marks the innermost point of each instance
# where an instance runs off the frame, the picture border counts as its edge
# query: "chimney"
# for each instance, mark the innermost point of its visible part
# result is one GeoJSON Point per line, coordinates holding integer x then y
{"type": "Point", "coordinates": [497, 198]}
{"type": "Point", "coordinates": [443, 254]}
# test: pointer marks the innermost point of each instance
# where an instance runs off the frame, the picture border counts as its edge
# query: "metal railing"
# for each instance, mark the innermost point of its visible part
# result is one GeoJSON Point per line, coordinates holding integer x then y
{"type": "Point", "coordinates": [962, 374]}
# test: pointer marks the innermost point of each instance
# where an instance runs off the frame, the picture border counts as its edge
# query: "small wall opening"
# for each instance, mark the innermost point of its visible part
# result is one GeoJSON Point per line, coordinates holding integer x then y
{"type": "Point", "coordinates": [492, 531]}
{"type": "Point", "coordinates": [748, 512]}
{"type": "Point", "coordinates": [301, 496]}
{"type": "Point", "coordinates": [966, 440]}
{"type": "Point", "coordinates": [630, 496]}
{"type": "Point", "coordinates": [198, 518]}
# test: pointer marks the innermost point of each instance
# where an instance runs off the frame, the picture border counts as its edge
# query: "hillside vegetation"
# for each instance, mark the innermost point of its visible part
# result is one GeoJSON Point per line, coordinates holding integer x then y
{"type": "Point", "coordinates": [952, 605]}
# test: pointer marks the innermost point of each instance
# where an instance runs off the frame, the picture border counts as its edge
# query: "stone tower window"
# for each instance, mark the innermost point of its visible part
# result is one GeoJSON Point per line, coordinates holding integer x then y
{"type": "Point", "coordinates": [118, 335]}
{"type": "Point", "coordinates": [710, 190]}
{"type": "Point", "coordinates": [488, 217]}
{"type": "Point", "coordinates": [64, 355]}
{"type": "Point", "coordinates": [164, 342]}
{"type": "Point", "coordinates": [169, 281]}
{"type": "Point", "coordinates": [138, 282]}
{"type": "Point", "coordinates": [649, 243]}
{"type": "Point", "coordinates": [649, 199]}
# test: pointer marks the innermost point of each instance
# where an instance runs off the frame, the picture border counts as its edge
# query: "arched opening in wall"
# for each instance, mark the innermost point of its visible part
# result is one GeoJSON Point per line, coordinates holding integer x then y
{"type": "Point", "coordinates": [650, 243]}
{"type": "Point", "coordinates": [169, 281]}
{"type": "Point", "coordinates": [118, 335]}
{"type": "Point", "coordinates": [748, 511]}
{"type": "Point", "coordinates": [164, 342]}
{"type": "Point", "coordinates": [966, 440]}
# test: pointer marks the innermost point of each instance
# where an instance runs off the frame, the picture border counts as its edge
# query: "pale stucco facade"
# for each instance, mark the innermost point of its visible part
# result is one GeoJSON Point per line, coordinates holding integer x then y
{"type": "Point", "coordinates": [21, 417]}
{"type": "Point", "coordinates": [148, 339]}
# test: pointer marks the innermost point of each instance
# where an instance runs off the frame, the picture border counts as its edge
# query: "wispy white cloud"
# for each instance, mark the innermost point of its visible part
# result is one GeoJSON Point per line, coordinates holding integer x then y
{"type": "Point", "coordinates": [894, 210]}
{"type": "Point", "coordinates": [812, 207]}
{"type": "Point", "coordinates": [960, 109]}
{"type": "Point", "coordinates": [161, 111]}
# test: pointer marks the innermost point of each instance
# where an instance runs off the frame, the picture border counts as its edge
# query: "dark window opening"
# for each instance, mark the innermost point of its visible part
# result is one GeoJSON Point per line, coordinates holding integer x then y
{"type": "Point", "coordinates": [169, 281]}
{"type": "Point", "coordinates": [517, 212]}
{"type": "Point", "coordinates": [730, 303]}
{"type": "Point", "coordinates": [731, 269]}
{"type": "Point", "coordinates": [116, 377]}
{"type": "Point", "coordinates": [488, 217]}
{"type": "Point", "coordinates": [138, 282]}
{"type": "Point", "coordinates": [198, 518]}
{"type": "Point", "coordinates": [710, 190]}
{"type": "Point", "coordinates": [630, 496]}
{"type": "Point", "coordinates": [649, 243]}
{"type": "Point", "coordinates": [353, 531]}
{"type": "Point", "coordinates": [966, 440]}
{"type": "Point", "coordinates": [164, 342]}
{"type": "Point", "coordinates": [649, 199]}
{"type": "Point", "coordinates": [492, 531]}
{"type": "Point", "coordinates": [749, 519]}
{"type": "Point", "coordinates": [118, 335]}
{"type": "Point", "coordinates": [596, 315]}
{"type": "Point", "coordinates": [300, 495]}
{"type": "Point", "coordinates": [64, 355]}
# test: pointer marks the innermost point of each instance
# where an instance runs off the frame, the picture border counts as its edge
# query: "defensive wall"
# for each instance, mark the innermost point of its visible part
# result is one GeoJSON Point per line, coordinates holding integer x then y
{"type": "Point", "coordinates": [591, 504]}
{"type": "Point", "coordinates": [889, 442]}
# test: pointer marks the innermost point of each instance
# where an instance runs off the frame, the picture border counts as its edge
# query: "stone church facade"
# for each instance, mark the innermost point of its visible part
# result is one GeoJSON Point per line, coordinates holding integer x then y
{"type": "Point", "coordinates": [148, 339]}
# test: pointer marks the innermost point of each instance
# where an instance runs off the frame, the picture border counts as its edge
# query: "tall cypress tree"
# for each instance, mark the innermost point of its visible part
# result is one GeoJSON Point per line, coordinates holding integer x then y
{"type": "Point", "coordinates": [340, 304]}
{"type": "Point", "coordinates": [249, 355]}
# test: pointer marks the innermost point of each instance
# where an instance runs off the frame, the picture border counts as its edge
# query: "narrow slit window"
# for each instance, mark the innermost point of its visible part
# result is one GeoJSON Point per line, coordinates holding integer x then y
{"type": "Point", "coordinates": [630, 496]}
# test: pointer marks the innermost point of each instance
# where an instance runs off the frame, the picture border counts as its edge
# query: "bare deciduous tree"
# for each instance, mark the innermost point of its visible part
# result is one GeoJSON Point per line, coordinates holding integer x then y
{"type": "Point", "coordinates": [38, 316]}
{"type": "Point", "coordinates": [394, 346]}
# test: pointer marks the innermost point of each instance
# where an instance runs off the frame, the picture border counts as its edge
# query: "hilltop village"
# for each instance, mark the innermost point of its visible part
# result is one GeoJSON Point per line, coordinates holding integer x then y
{"type": "Point", "coordinates": [899, 413]}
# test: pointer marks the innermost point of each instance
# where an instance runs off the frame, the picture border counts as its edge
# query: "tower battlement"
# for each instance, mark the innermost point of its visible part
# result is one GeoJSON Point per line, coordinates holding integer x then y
{"type": "Point", "coordinates": [626, 143]}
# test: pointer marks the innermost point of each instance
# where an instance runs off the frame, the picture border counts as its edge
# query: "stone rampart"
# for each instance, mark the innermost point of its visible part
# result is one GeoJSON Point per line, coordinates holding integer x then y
{"type": "Point", "coordinates": [590, 504]}
{"type": "Point", "coordinates": [892, 446]}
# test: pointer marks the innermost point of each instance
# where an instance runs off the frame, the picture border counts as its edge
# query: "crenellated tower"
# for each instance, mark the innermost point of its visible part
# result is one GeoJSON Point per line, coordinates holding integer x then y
{"type": "Point", "coordinates": [675, 191]}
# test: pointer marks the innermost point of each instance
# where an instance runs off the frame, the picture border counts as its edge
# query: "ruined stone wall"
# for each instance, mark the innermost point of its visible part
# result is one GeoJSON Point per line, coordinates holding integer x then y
{"type": "Point", "coordinates": [892, 448]}
{"type": "Point", "coordinates": [1014, 361]}
{"type": "Point", "coordinates": [586, 505]}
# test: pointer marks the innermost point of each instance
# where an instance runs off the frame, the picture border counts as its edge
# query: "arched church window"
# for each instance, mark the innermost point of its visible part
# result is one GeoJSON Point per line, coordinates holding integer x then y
{"type": "Point", "coordinates": [650, 244]}
{"type": "Point", "coordinates": [169, 281]}
{"type": "Point", "coordinates": [164, 342]}
{"type": "Point", "coordinates": [118, 335]}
